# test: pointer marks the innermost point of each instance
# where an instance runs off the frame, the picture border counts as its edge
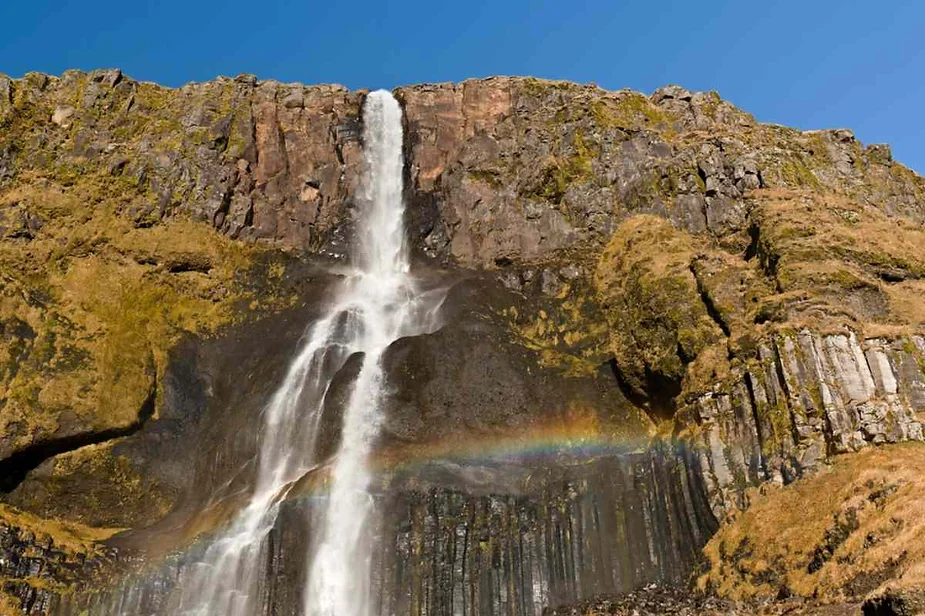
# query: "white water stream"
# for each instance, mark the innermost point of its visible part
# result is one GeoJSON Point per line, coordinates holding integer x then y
{"type": "Point", "coordinates": [377, 303]}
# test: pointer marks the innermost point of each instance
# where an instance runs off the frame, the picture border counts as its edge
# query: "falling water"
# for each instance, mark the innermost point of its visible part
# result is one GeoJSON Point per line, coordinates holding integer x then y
{"type": "Point", "coordinates": [384, 305]}
{"type": "Point", "coordinates": [376, 303]}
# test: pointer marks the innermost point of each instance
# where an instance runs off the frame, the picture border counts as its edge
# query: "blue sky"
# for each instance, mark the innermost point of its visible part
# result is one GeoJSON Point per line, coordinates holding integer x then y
{"type": "Point", "coordinates": [810, 64]}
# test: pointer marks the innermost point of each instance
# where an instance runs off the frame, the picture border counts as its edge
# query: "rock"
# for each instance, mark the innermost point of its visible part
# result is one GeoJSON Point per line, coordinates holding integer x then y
{"type": "Point", "coordinates": [672, 92]}
{"type": "Point", "coordinates": [464, 139]}
{"type": "Point", "coordinates": [107, 77]}
{"type": "Point", "coordinates": [880, 153]}
{"type": "Point", "coordinates": [844, 135]}
{"type": "Point", "coordinates": [6, 97]}
{"type": "Point", "coordinates": [294, 100]}
{"type": "Point", "coordinates": [37, 568]}
{"type": "Point", "coordinates": [62, 116]}
{"type": "Point", "coordinates": [808, 396]}
{"type": "Point", "coordinates": [507, 388]}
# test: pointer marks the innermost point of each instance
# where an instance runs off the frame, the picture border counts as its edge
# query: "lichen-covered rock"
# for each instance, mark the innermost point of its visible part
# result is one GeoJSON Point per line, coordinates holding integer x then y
{"type": "Point", "coordinates": [40, 560]}
{"type": "Point", "coordinates": [658, 322]}
{"type": "Point", "coordinates": [254, 159]}
{"type": "Point", "coordinates": [521, 168]}
{"type": "Point", "coordinates": [805, 398]}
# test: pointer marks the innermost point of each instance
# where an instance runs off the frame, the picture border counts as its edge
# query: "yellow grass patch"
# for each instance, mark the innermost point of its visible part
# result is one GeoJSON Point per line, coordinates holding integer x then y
{"type": "Point", "coordinates": [851, 530]}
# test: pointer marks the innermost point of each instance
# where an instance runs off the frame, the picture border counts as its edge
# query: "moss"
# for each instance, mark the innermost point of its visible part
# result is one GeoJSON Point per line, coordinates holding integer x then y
{"type": "Point", "coordinates": [818, 149]}
{"type": "Point", "coordinates": [562, 172]}
{"type": "Point", "coordinates": [830, 255]}
{"type": "Point", "coordinates": [631, 110]}
{"type": "Point", "coordinates": [656, 186]}
{"type": "Point", "coordinates": [71, 536]}
{"type": "Point", "coordinates": [658, 321]}
{"type": "Point", "coordinates": [710, 104]}
{"type": "Point", "coordinates": [567, 331]}
{"type": "Point", "coordinates": [541, 87]}
{"type": "Point", "coordinates": [490, 177]}
{"type": "Point", "coordinates": [101, 305]}
{"type": "Point", "coordinates": [795, 172]}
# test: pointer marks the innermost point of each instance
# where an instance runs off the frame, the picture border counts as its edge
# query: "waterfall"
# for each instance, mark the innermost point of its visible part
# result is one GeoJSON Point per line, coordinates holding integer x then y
{"type": "Point", "coordinates": [375, 303]}
{"type": "Point", "coordinates": [383, 306]}
{"type": "Point", "coordinates": [337, 543]}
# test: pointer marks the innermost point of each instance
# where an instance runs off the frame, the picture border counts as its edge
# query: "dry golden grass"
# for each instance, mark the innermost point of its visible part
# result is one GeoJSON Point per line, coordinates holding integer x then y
{"type": "Point", "coordinates": [860, 264]}
{"type": "Point", "coordinates": [908, 300]}
{"type": "Point", "coordinates": [865, 515]}
{"type": "Point", "coordinates": [7, 607]}
{"type": "Point", "coordinates": [104, 302]}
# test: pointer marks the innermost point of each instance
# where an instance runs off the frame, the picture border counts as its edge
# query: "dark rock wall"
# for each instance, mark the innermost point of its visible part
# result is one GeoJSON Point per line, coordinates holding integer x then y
{"type": "Point", "coordinates": [34, 571]}
{"type": "Point", "coordinates": [570, 533]}
{"type": "Point", "coordinates": [613, 525]}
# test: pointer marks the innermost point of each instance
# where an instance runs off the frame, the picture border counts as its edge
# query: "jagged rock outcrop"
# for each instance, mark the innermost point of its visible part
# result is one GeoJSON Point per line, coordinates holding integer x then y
{"type": "Point", "coordinates": [772, 358]}
{"type": "Point", "coordinates": [518, 169]}
{"type": "Point", "coordinates": [254, 159]}
{"type": "Point", "coordinates": [806, 398]}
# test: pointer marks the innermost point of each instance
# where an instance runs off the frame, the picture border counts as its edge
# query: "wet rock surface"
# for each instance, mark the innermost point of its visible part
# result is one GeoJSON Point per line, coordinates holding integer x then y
{"type": "Point", "coordinates": [475, 378]}
{"type": "Point", "coordinates": [35, 570]}
{"type": "Point", "coordinates": [520, 536]}
{"type": "Point", "coordinates": [603, 526]}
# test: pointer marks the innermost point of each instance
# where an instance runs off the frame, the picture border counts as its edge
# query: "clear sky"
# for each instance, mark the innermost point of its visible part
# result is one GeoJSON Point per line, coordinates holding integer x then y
{"type": "Point", "coordinates": [806, 63]}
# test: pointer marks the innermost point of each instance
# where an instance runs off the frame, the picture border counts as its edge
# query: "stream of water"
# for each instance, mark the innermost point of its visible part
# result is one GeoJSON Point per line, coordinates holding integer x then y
{"type": "Point", "coordinates": [375, 304]}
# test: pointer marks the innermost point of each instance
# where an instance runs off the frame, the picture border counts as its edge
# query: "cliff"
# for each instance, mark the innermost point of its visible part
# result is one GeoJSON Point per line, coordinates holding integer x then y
{"type": "Point", "coordinates": [664, 268]}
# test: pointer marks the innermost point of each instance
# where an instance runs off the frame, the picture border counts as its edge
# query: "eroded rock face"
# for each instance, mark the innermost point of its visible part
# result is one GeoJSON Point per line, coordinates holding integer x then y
{"type": "Point", "coordinates": [255, 159]}
{"type": "Point", "coordinates": [806, 398]}
{"type": "Point", "coordinates": [513, 168]}
{"type": "Point", "coordinates": [519, 169]}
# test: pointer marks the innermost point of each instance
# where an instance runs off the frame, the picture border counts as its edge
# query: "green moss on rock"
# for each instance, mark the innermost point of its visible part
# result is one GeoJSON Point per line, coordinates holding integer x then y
{"type": "Point", "coordinates": [657, 320]}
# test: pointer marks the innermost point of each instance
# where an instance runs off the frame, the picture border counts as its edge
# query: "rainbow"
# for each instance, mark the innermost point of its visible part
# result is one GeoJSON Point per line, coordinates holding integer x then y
{"type": "Point", "coordinates": [575, 438]}
{"type": "Point", "coordinates": [559, 441]}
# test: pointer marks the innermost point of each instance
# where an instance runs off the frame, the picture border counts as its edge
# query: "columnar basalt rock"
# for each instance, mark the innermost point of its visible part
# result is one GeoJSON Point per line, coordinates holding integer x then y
{"type": "Point", "coordinates": [35, 570]}
{"type": "Point", "coordinates": [806, 398]}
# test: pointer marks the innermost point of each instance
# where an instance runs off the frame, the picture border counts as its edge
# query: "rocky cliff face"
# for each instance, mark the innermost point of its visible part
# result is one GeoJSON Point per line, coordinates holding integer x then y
{"type": "Point", "coordinates": [662, 266]}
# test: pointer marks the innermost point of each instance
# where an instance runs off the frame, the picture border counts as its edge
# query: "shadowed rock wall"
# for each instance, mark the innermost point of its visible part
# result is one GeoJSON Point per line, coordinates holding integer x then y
{"type": "Point", "coordinates": [567, 533]}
